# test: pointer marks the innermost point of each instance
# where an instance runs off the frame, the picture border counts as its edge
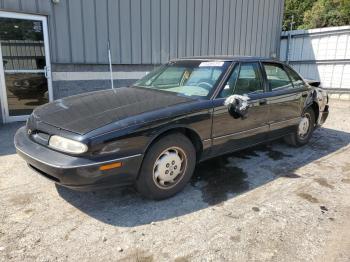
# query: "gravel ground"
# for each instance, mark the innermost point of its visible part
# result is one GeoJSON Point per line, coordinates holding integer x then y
{"type": "Point", "coordinates": [269, 203]}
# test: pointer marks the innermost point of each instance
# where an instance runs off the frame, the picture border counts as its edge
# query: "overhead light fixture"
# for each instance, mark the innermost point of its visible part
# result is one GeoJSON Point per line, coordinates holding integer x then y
{"type": "Point", "coordinates": [56, 1]}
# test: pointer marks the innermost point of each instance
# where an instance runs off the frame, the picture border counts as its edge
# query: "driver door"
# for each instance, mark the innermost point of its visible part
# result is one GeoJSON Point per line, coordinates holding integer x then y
{"type": "Point", "coordinates": [230, 134]}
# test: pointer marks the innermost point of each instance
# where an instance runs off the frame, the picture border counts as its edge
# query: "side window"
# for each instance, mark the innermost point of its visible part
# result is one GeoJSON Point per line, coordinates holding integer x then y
{"type": "Point", "coordinates": [249, 79]}
{"type": "Point", "coordinates": [277, 77]}
{"type": "Point", "coordinates": [230, 84]}
{"type": "Point", "coordinates": [296, 79]}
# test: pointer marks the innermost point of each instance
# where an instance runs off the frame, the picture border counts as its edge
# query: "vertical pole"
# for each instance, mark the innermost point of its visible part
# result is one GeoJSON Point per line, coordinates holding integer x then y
{"type": "Point", "coordinates": [3, 95]}
{"type": "Point", "coordinates": [289, 43]}
{"type": "Point", "coordinates": [110, 64]}
{"type": "Point", "coordinates": [287, 49]}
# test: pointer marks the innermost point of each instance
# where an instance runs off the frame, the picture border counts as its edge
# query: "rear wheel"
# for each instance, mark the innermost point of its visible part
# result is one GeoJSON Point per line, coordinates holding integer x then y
{"type": "Point", "coordinates": [304, 130]}
{"type": "Point", "coordinates": [167, 167]}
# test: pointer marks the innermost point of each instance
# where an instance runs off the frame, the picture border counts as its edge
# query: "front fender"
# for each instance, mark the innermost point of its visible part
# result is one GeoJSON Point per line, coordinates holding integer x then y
{"type": "Point", "coordinates": [137, 138]}
{"type": "Point", "coordinates": [174, 127]}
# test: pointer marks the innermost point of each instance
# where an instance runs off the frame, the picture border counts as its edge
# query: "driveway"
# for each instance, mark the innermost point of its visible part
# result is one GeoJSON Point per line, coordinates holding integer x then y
{"type": "Point", "coordinates": [269, 203]}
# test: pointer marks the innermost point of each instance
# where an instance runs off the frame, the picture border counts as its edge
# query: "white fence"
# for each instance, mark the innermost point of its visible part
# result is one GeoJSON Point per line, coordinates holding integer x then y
{"type": "Point", "coordinates": [321, 54]}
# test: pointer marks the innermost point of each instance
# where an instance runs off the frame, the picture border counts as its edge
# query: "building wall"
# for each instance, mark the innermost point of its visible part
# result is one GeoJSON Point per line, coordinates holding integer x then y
{"type": "Point", "coordinates": [146, 33]}
{"type": "Point", "coordinates": [1, 114]}
{"type": "Point", "coordinates": [153, 31]}
{"type": "Point", "coordinates": [321, 54]}
{"type": "Point", "coordinates": [75, 79]}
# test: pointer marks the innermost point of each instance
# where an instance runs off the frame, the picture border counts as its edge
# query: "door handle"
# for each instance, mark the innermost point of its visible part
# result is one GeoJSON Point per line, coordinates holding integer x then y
{"type": "Point", "coordinates": [46, 71]}
{"type": "Point", "coordinates": [262, 102]}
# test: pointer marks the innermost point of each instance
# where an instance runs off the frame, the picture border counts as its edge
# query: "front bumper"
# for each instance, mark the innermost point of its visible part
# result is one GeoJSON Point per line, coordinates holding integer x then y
{"type": "Point", "coordinates": [75, 172]}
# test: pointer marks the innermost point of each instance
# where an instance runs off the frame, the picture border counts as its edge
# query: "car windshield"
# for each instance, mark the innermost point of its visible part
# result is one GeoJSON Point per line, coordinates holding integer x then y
{"type": "Point", "coordinates": [186, 78]}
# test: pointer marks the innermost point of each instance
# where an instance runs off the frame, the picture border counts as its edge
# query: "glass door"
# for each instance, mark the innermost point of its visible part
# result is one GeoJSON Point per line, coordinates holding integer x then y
{"type": "Point", "coordinates": [25, 64]}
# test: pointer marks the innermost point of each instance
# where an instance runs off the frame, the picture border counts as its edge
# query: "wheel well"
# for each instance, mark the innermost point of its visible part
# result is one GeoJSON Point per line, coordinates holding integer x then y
{"type": "Point", "coordinates": [190, 134]}
{"type": "Point", "coordinates": [316, 110]}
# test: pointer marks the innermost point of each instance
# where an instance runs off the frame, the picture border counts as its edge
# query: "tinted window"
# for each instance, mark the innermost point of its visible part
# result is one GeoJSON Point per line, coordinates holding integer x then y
{"type": "Point", "coordinates": [230, 84]}
{"type": "Point", "coordinates": [249, 79]}
{"type": "Point", "coordinates": [296, 79]}
{"type": "Point", "coordinates": [277, 77]}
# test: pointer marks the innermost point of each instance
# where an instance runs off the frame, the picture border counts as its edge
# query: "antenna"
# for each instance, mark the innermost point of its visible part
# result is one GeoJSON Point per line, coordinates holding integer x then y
{"type": "Point", "coordinates": [110, 63]}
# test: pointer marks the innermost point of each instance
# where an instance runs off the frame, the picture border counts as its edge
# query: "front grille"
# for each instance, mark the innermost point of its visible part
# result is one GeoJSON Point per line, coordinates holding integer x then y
{"type": "Point", "coordinates": [55, 179]}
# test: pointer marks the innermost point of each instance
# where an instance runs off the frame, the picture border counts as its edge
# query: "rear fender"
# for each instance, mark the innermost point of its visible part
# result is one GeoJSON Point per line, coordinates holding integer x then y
{"type": "Point", "coordinates": [318, 100]}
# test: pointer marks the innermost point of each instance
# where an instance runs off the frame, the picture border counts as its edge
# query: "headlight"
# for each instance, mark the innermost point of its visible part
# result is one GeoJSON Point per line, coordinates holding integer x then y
{"type": "Point", "coordinates": [67, 145]}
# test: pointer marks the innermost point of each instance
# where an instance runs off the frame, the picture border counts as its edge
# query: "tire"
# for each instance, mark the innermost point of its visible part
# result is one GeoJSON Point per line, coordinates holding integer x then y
{"type": "Point", "coordinates": [301, 136]}
{"type": "Point", "coordinates": [162, 173]}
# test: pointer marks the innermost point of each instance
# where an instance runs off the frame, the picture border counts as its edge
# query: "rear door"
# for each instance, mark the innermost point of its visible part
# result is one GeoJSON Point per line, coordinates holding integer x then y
{"type": "Point", "coordinates": [230, 134]}
{"type": "Point", "coordinates": [283, 98]}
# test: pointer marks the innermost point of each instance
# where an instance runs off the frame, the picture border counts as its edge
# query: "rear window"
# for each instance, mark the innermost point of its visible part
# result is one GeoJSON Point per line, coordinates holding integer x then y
{"type": "Point", "coordinates": [277, 77]}
{"type": "Point", "coordinates": [296, 79]}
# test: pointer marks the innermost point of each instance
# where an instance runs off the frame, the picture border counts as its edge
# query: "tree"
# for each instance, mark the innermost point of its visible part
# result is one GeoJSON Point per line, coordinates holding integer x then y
{"type": "Point", "coordinates": [317, 13]}
{"type": "Point", "coordinates": [296, 8]}
{"type": "Point", "coordinates": [327, 13]}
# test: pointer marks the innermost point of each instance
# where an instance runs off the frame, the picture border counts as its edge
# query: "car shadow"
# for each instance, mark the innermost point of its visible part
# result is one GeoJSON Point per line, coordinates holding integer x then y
{"type": "Point", "coordinates": [213, 182]}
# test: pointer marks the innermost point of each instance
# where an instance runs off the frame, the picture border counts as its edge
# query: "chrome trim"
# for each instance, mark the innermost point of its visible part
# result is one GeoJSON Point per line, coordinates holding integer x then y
{"type": "Point", "coordinates": [77, 166]}
{"type": "Point", "coordinates": [242, 132]}
{"type": "Point", "coordinates": [260, 127]}
{"type": "Point", "coordinates": [283, 121]}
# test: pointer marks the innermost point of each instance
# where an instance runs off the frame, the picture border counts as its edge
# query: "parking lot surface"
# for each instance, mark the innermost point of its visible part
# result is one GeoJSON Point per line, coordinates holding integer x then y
{"type": "Point", "coordinates": [269, 203]}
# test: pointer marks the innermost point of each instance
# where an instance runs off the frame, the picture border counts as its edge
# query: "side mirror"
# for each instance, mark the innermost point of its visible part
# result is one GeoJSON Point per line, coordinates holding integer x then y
{"type": "Point", "coordinates": [314, 83]}
{"type": "Point", "coordinates": [237, 106]}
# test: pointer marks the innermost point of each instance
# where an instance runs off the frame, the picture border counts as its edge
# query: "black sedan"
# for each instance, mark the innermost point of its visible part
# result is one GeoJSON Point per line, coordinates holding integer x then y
{"type": "Point", "coordinates": [152, 134]}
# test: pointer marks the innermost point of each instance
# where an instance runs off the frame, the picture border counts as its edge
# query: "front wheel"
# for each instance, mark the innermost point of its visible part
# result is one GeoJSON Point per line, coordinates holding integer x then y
{"type": "Point", "coordinates": [304, 130]}
{"type": "Point", "coordinates": [167, 167]}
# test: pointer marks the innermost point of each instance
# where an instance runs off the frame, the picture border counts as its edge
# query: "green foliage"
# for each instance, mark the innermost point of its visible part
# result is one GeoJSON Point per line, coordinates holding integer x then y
{"type": "Point", "coordinates": [297, 9]}
{"type": "Point", "coordinates": [316, 13]}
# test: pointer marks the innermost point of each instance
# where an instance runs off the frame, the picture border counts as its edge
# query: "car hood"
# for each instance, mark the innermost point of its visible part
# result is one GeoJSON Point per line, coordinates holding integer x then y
{"type": "Point", "coordinates": [83, 113]}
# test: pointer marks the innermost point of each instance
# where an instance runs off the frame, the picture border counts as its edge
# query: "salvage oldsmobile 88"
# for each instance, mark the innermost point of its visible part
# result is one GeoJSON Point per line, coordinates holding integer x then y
{"type": "Point", "coordinates": [153, 133]}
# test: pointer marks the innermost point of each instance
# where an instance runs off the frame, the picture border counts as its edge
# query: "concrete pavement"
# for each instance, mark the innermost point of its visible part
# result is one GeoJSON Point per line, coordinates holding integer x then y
{"type": "Point", "coordinates": [269, 203]}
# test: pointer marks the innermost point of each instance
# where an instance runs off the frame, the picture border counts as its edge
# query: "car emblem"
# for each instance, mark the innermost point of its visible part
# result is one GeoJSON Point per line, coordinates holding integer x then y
{"type": "Point", "coordinates": [29, 131]}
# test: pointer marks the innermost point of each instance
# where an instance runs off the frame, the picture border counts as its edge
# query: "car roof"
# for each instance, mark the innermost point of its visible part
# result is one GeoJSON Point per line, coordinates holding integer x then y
{"type": "Point", "coordinates": [226, 58]}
